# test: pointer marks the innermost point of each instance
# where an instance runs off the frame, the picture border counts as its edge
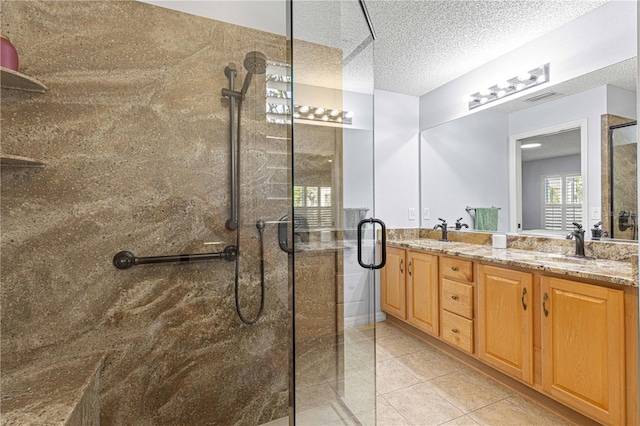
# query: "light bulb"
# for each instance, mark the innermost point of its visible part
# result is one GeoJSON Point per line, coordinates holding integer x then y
{"type": "Point", "coordinates": [319, 111]}
{"type": "Point", "coordinates": [296, 115]}
{"type": "Point", "coordinates": [524, 76]}
{"type": "Point", "coordinates": [485, 92]}
{"type": "Point", "coordinates": [325, 118]}
{"type": "Point", "coordinates": [484, 100]}
{"type": "Point", "coordinates": [311, 117]}
{"type": "Point", "coordinates": [520, 86]}
{"type": "Point", "coordinates": [501, 93]}
{"type": "Point", "coordinates": [304, 109]}
{"type": "Point", "coordinates": [349, 114]}
{"type": "Point", "coordinates": [503, 85]}
{"type": "Point", "coordinates": [335, 112]}
{"type": "Point", "coordinates": [339, 119]}
{"type": "Point", "coordinates": [530, 145]}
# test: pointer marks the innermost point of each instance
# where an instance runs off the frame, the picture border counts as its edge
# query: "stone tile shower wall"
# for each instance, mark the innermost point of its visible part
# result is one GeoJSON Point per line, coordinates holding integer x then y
{"type": "Point", "coordinates": [135, 135]}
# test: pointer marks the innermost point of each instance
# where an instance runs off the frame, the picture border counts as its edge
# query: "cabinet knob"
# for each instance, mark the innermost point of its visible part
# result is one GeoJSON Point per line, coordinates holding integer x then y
{"type": "Point", "coordinates": [454, 330]}
{"type": "Point", "coordinates": [454, 297]}
{"type": "Point", "coordinates": [454, 268]}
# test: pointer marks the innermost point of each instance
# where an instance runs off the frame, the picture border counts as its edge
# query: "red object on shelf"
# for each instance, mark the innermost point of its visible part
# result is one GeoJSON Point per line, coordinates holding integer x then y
{"type": "Point", "coordinates": [8, 55]}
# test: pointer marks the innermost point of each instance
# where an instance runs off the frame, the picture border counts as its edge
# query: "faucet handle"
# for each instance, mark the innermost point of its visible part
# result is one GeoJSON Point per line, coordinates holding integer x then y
{"type": "Point", "coordinates": [458, 221]}
{"type": "Point", "coordinates": [442, 220]}
{"type": "Point", "coordinates": [577, 225]}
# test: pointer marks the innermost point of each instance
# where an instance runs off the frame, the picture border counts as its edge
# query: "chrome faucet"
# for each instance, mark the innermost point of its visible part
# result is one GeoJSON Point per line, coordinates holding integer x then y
{"type": "Point", "coordinates": [578, 234]}
{"type": "Point", "coordinates": [460, 225]}
{"type": "Point", "coordinates": [442, 226]}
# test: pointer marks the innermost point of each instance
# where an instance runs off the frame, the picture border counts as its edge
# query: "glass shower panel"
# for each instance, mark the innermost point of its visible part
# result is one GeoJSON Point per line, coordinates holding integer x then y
{"type": "Point", "coordinates": [624, 181]}
{"type": "Point", "coordinates": [334, 309]}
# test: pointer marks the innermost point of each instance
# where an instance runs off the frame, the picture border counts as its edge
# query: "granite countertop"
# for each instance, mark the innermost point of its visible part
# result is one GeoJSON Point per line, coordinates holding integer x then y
{"type": "Point", "coordinates": [610, 271]}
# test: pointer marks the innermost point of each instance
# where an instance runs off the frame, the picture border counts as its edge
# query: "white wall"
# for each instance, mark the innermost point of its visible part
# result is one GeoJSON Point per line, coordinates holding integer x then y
{"type": "Point", "coordinates": [605, 36]}
{"type": "Point", "coordinates": [621, 102]}
{"type": "Point", "coordinates": [532, 173]}
{"type": "Point", "coordinates": [464, 163]}
{"type": "Point", "coordinates": [396, 158]}
{"type": "Point", "coordinates": [265, 15]}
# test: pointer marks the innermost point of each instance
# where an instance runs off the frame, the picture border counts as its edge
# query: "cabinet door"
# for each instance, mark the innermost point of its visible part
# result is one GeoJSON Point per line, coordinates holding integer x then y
{"type": "Point", "coordinates": [505, 321]}
{"type": "Point", "coordinates": [422, 289]}
{"type": "Point", "coordinates": [392, 284]}
{"type": "Point", "coordinates": [583, 348]}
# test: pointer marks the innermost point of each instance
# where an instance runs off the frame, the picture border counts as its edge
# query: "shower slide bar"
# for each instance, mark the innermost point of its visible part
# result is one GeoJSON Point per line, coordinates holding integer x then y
{"type": "Point", "coordinates": [126, 259]}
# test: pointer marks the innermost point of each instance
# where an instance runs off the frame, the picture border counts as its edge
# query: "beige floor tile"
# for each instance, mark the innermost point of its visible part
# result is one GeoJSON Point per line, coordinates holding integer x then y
{"type": "Point", "coordinates": [505, 412]}
{"type": "Point", "coordinates": [387, 415]}
{"type": "Point", "coordinates": [391, 376]}
{"type": "Point", "coordinates": [461, 421]}
{"type": "Point", "coordinates": [465, 394]}
{"type": "Point", "coordinates": [385, 329]}
{"type": "Point", "coordinates": [547, 416]}
{"type": "Point", "coordinates": [314, 396]}
{"type": "Point", "coordinates": [317, 416]}
{"type": "Point", "coordinates": [395, 346]}
{"type": "Point", "coordinates": [421, 405]}
{"type": "Point", "coordinates": [428, 364]}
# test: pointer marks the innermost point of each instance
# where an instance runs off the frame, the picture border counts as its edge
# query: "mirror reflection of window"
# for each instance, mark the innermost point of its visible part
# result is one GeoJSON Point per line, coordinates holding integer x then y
{"type": "Point", "coordinates": [552, 187]}
{"type": "Point", "coordinates": [562, 201]}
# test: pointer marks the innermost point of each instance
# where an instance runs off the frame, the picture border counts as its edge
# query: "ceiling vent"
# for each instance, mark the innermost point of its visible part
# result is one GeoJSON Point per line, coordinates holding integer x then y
{"type": "Point", "coordinates": [541, 96]}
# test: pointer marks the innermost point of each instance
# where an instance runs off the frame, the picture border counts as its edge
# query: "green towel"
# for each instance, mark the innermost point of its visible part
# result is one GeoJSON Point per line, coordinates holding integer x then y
{"type": "Point", "coordinates": [487, 219]}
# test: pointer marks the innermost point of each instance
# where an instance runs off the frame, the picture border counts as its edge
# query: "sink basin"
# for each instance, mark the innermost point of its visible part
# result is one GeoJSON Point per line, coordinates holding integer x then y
{"type": "Point", "coordinates": [558, 258]}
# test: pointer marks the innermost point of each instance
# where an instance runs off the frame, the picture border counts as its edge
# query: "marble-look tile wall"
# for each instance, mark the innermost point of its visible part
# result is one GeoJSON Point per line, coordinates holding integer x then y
{"type": "Point", "coordinates": [135, 135]}
{"type": "Point", "coordinates": [624, 177]}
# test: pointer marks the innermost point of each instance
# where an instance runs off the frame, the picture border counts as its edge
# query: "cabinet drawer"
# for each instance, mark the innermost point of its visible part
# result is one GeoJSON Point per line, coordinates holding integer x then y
{"type": "Point", "coordinates": [457, 298]}
{"type": "Point", "coordinates": [457, 269]}
{"type": "Point", "coordinates": [458, 331]}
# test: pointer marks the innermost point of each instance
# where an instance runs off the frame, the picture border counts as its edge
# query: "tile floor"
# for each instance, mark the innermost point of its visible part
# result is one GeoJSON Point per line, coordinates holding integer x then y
{"type": "Point", "coordinates": [416, 384]}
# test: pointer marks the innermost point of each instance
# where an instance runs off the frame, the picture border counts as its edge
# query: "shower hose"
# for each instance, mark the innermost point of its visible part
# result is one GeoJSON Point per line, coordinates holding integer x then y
{"type": "Point", "coordinates": [260, 226]}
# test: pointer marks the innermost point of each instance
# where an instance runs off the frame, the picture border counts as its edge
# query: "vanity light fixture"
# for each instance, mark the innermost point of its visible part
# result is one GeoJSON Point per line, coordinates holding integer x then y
{"type": "Point", "coordinates": [328, 115]}
{"type": "Point", "coordinates": [508, 87]}
{"type": "Point", "coordinates": [530, 145]}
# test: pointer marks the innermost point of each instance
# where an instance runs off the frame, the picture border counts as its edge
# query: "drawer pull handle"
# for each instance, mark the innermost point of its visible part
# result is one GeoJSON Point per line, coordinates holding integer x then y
{"type": "Point", "coordinates": [454, 268]}
{"type": "Point", "coordinates": [524, 293]}
{"type": "Point", "coordinates": [544, 304]}
{"type": "Point", "coordinates": [454, 297]}
{"type": "Point", "coordinates": [454, 330]}
{"type": "Point", "coordinates": [402, 266]}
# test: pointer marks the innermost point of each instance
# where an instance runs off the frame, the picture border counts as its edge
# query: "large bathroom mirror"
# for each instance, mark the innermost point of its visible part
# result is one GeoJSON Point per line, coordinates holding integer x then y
{"type": "Point", "coordinates": [478, 161]}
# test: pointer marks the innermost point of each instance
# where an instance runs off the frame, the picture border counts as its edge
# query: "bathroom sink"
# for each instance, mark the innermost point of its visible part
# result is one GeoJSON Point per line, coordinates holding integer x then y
{"type": "Point", "coordinates": [558, 258]}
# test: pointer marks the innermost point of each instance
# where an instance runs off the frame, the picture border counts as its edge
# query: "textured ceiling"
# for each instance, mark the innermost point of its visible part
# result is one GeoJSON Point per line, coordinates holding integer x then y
{"type": "Point", "coordinates": [422, 45]}
{"type": "Point", "coordinates": [552, 145]}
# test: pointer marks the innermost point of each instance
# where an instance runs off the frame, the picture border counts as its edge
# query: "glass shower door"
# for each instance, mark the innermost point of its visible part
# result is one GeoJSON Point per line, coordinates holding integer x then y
{"type": "Point", "coordinates": [334, 296]}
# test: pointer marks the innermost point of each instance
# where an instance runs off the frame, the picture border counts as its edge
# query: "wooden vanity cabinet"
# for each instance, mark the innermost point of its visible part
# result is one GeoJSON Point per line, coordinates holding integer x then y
{"type": "Point", "coordinates": [456, 292]}
{"type": "Point", "coordinates": [583, 347]}
{"type": "Point", "coordinates": [393, 285]}
{"type": "Point", "coordinates": [505, 321]}
{"type": "Point", "coordinates": [422, 291]}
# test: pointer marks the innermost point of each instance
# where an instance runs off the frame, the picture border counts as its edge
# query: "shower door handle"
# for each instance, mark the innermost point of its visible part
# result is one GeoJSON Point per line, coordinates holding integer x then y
{"type": "Point", "coordinates": [383, 244]}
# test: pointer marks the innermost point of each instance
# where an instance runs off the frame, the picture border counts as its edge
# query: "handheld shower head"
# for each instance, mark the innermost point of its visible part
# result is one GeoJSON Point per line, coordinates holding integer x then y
{"type": "Point", "coordinates": [255, 63]}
